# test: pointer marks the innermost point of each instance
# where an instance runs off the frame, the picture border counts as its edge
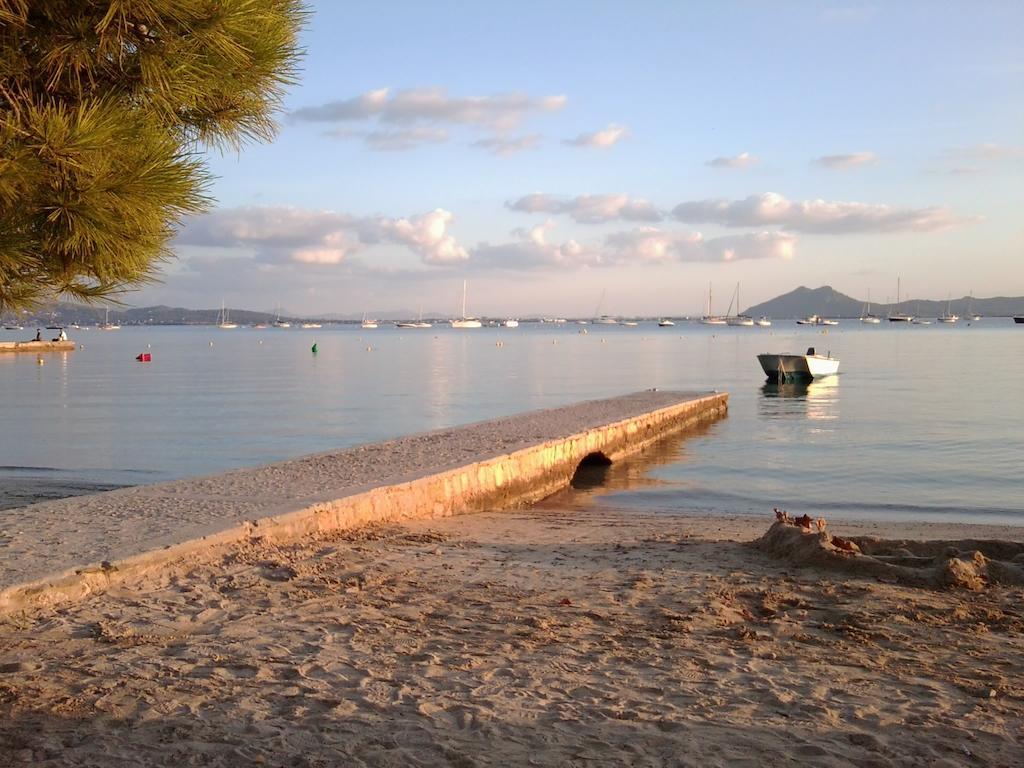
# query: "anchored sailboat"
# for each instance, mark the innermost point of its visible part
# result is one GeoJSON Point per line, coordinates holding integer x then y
{"type": "Point", "coordinates": [464, 321]}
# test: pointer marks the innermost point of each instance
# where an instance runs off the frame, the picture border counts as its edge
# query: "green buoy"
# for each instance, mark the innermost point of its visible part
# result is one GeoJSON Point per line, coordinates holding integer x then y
{"type": "Point", "coordinates": [313, 348]}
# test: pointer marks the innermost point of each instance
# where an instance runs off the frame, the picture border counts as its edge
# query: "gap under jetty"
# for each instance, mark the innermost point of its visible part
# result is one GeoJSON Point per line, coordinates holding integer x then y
{"type": "Point", "coordinates": [64, 549]}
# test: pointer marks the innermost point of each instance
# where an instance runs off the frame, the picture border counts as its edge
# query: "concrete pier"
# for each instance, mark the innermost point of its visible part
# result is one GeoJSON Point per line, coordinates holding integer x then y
{"type": "Point", "coordinates": [37, 346]}
{"type": "Point", "coordinates": [72, 547]}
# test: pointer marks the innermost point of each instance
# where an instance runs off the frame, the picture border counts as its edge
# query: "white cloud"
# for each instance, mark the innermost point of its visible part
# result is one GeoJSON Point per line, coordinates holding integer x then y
{"type": "Point", "coordinates": [589, 209]}
{"type": "Point", "coordinates": [844, 162]}
{"type": "Point", "coordinates": [815, 216]}
{"type": "Point", "coordinates": [649, 244]}
{"type": "Point", "coordinates": [281, 235]}
{"type": "Point", "coordinates": [432, 105]}
{"type": "Point", "coordinates": [643, 245]}
{"type": "Point", "coordinates": [410, 118]}
{"type": "Point", "coordinates": [500, 145]}
{"type": "Point", "coordinates": [742, 160]}
{"type": "Point", "coordinates": [602, 139]}
{"type": "Point", "coordinates": [401, 140]}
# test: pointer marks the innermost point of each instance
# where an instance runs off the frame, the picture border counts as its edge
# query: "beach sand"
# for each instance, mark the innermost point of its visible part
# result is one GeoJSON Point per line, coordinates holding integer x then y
{"type": "Point", "coordinates": [553, 635]}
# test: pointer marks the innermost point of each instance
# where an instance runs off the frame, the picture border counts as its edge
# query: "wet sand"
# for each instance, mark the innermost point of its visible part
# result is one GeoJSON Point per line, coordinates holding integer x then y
{"type": "Point", "coordinates": [548, 636]}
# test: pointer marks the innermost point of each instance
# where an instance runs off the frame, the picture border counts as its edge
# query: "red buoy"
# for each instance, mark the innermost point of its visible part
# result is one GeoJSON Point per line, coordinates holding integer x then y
{"type": "Point", "coordinates": [145, 357]}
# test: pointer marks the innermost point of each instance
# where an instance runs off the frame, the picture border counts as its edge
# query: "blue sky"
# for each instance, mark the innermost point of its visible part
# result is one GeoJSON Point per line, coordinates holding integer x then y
{"type": "Point", "coordinates": [662, 146]}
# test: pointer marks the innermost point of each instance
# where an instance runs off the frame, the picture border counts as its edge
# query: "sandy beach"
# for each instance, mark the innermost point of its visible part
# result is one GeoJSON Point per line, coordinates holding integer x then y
{"type": "Point", "coordinates": [554, 635]}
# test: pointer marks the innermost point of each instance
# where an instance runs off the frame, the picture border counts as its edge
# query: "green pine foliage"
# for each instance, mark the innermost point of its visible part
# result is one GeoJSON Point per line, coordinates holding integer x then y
{"type": "Point", "coordinates": [104, 106]}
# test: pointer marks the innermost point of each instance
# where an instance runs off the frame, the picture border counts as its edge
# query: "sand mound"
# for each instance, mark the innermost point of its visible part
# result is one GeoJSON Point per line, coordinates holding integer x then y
{"type": "Point", "coordinates": [967, 564]}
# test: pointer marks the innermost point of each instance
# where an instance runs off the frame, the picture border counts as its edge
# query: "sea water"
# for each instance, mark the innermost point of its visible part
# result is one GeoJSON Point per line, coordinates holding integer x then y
{"type": "Point", "coordinates": [923, 422]}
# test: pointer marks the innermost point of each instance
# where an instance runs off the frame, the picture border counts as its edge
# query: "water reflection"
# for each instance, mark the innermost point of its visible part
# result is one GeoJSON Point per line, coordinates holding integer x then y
{"type": "Point", "coordinates": [630, 473]}
{"type": "Point", "coordinates": [817, 400]}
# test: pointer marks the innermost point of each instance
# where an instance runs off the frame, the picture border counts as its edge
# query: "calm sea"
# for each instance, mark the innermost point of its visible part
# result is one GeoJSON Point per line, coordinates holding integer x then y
{"type": "Point", "coordinates": [923, 422]}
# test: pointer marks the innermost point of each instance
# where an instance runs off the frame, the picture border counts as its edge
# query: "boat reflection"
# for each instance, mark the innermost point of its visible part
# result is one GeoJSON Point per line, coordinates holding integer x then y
{"type": "Point", "coordinates": [817, 400]}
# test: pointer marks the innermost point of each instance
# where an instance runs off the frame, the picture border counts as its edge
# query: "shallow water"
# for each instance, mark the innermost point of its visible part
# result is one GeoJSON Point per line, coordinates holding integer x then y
{"type": "Point", "coordinates": [923, 422]}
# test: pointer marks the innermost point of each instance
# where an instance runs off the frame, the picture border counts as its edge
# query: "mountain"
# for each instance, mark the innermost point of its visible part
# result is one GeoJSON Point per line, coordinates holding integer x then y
{"type": "Point", "coordinates": [828, 302]}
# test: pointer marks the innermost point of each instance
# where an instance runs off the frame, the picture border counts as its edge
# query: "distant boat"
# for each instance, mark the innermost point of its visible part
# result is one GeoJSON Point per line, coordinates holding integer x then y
{"type": "Point", "coordinates": [599, 317]}
{"type": "Point", "coordinates": [278, 322]}
{"type": "Point", "coordinates": [899, 317]}
{"type": "Point", "coordinates": [107, 325]}
{"type": "Point", "coordinates": [510, 323]}
{"type": "Point", "coordinates": [867, 317]}
{"type": "Point", "coordinates": [763, 321]}
{"type": "Point", "coordinates": [783, 367]}
{"type": "Point", "coordinates": [14, 328]}
{"type": "Point", "coordinates": [223, 321]}
{"type": "Point", "coordinates": [948, 317]}
{"type": "Point", "coordinates": [666, 323]}
{"type": "Point", "coordinates": [630, 323]}
{"type": "Point", "coordinates": [1018, 318]}
{"type": "Point", "coordinates": [816, 320]}
{"type": "Point", "coordinates": [970, 307]}
{"type": "Point", "coordinates": [737, 319]}
{"type": "Point", "coordinates": [312, 325]}
{"type": "Point", "coordinates": [465, 321]}
{"type": "Point", "coordinates": [708, 318]}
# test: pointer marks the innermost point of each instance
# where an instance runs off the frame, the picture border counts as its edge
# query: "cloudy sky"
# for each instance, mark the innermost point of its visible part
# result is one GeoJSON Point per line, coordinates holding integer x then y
{"type": "Point", "coordinates": [552, 153]}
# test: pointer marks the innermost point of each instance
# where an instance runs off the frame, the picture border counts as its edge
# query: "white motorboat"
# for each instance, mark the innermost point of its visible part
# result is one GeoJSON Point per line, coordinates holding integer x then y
{"type": "Point", "coordinates": [783, 367]}
{"type": "Point", "coordinates": [510, 323]}
{"type": "Point", "coordinates": [763, 321]}
{"type": "Point", "coordinates": [312, 325]}
{"type": "Point", "coordinates": [666, 323]}
{"type": "Point", "coordinates": [465, 321]}
{"type": "Point", "coordinates": [630, 323]}
{"type": "Point", "coordinates": [816, 320]}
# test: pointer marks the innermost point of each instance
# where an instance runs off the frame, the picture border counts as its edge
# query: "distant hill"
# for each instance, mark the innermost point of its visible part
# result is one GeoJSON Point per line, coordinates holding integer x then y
{"type": "Point", "coordinates": [828, 302]}
{"type": "Point", "coordinates": [66, 313]}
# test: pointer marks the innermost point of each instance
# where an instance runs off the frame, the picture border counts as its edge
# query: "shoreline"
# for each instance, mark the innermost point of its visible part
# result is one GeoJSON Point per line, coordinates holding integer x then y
{"type": "Point", "coordinates": [546, 634]}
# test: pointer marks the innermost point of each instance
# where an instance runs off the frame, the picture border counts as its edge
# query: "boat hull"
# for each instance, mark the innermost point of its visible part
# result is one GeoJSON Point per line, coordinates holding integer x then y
{"type": "Point", "coordinates": [37, 346]}
{"type": "Point", "coordinates": [1018, 319]}
{"type": "Point", "coordinates": [797, 367]}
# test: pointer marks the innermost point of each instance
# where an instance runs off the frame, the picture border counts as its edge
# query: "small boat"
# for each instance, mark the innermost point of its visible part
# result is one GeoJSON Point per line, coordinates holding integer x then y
{"type": "Point", "coordinates": [223, 321]}
{"type": "Point", "coordinates": [868, 318]}
{"type": "Point", "coordinates": [465, 321]}
{"type": "Point", "coordinates": [666, 323]}
{"type": "Point", "coordinates": [107, 325]}
{"type": "Point", "coordinates": [278, 322]}
{"type": "Point", "coordinates": [1018, 318]}
{"type": "Point", "coordinates": [737, 319]}
{"type": "Point", "coordinates": [510, 323]}
{"type": "Point", "coordinates": [763, 321]}
{"type": "Point", "coordinates": [784, 367]}
{"type": "Point", "coordinates": [708, 318]}
{"type": "Point", "coordinates": [605, 320]}
{"type": "Point", "coordinates": [948, 316]}
{"type": "Point", "coordinates": [816, 320]}
{"type": "Point", "coordinates": [14, 328]}
{"type": "Point", "coordinates": [630, 323]}
{"type": "Point", "coordinates": [899, 317]}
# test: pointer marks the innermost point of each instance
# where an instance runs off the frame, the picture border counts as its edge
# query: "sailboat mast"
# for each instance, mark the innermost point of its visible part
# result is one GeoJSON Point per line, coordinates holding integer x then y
{"type": "Point", "coordinates": [463, 298]}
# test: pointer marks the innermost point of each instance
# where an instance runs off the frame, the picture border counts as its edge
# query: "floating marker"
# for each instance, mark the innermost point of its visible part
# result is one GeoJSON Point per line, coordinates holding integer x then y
{"type": "Point", "coordinates": [144, 357]}
{"type": "Point", "coordinates": [313, 348]}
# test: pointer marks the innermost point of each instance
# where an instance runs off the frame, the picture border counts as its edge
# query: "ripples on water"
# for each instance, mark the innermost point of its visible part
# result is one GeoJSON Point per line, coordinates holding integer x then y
{"type": "Point", "coordinates": [922, 422]}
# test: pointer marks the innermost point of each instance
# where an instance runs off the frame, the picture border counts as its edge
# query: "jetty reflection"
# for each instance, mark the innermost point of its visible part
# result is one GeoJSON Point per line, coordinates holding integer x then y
{"type": "Point", "coordinates": [818, 399]}
{"type": "Point", "coordinates": [599, 478]}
